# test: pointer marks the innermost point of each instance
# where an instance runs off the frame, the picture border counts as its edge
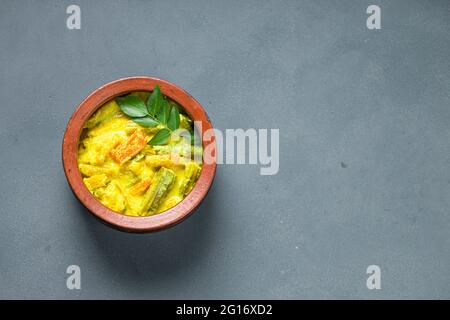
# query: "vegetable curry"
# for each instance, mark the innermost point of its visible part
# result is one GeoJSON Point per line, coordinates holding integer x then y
{"type": "Point", "coordinates": [129, 163]}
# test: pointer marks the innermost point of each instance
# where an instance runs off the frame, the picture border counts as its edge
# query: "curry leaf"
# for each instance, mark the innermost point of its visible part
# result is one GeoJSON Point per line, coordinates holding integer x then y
{"type": "Point", "coordinates": [155, 112]}
{"type": "Point", "coordinates": [161, 137]}
{"type": "Point", "coordinates": [154, 101]}
{"type": "Point", "coordinates": [132, 106]}
{"type": "Point", "coordinates": [174, 119]}
{"type": "Point", "coordinates": [162, 114]}
{"type": "Point", "coordinates": [147, 121]}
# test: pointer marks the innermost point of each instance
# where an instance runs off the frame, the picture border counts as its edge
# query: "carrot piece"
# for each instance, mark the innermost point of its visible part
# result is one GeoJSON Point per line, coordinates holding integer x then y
{"type": "Point", "coordinates": [128, 149]}
{"type": "Point", "coordinates": [140, 187]}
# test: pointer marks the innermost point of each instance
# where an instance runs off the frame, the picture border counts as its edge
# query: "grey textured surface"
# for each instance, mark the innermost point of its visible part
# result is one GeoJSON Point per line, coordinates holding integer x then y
{"type": "Point", "coordinates": [364, 120]}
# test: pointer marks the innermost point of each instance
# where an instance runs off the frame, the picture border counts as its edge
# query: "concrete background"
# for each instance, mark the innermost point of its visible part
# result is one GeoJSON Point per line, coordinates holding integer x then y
{"type": "Point", "coordinates": [364, 144]}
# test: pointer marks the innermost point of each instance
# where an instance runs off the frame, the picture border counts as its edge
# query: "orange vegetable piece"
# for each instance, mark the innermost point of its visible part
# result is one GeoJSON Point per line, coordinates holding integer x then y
{"type": "Point", "coordinates": [129, 148]}
{"type": "Point", "coordinates": [140, 187]}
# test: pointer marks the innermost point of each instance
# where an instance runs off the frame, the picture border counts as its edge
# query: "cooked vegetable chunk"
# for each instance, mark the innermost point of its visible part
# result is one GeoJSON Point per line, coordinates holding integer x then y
{"type": "Point", "coordinates": [164, 160]}
{"type": "Point", "coordinates": [127, 150]}
{"type": "Point", "coordinates": [161, 183]}
{"type": "Point", "coordinates": [90, 170]}
{"type": "Point", "coordinates": [112, 197]}
{"type": "Point", "coordinates": [105, 113]}
{"type": "Point", "coordinates": [172, 202]}
{"type": "Point", "coordinates": [191, 174]}
{"type": "Point", "coordinates": [140, 187]}
{"type": "Point", "coordinates": [97, 181]}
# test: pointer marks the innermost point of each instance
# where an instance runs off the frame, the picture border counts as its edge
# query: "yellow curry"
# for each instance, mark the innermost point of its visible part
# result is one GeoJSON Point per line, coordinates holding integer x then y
{"type": "Point", "coordinates": [128, 174]}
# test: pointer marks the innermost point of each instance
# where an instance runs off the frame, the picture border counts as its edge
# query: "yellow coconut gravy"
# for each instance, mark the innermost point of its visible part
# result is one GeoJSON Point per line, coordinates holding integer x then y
{"type": "Point", "coordinates": [126, 173]}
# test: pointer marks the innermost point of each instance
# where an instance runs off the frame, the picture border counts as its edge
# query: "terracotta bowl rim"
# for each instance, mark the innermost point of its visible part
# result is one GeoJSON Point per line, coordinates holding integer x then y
{"type": "Point", "coordinates": [72, 133]}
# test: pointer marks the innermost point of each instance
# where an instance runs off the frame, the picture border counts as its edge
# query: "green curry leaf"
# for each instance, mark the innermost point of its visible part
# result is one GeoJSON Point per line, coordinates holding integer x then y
{"type": "Point", "coordinates": [147, 121]}
{"type": "Point", "coordinates": [161, 137]}
{"type": "Point", "coordinates": [132, 106]}
{"type": "Point", "coordinates": [154, 101]}
{"type": "Point", "coordinates": [162, 114]}
{"type": "Point", "coordinates": [155, 112]}
{"type": "Point", "coordinates": [174, 119]}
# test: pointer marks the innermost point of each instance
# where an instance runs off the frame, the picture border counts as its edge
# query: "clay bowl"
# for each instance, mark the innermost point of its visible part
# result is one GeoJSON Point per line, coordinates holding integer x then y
{"type": "Point", "coordinates": [117, 220]}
